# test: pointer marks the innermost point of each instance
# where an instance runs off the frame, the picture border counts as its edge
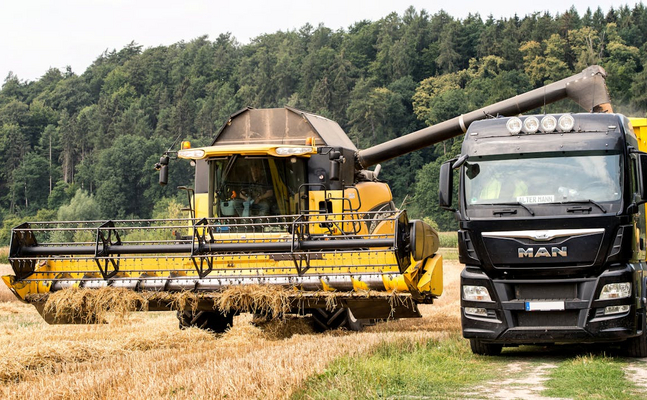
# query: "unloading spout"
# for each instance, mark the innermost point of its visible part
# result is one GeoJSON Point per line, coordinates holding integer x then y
{"type": "Point", "coordinates": [587, 88]}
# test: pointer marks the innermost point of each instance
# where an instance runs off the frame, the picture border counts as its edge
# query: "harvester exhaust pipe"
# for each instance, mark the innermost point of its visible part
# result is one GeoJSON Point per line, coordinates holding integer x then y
{"type": "Point", "coordinates": [590, 96]}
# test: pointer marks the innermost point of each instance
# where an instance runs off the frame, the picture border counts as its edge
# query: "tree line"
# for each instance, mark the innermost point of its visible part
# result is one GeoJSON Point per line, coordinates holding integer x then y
{"type": "Point", "coordinates": [88, 142]}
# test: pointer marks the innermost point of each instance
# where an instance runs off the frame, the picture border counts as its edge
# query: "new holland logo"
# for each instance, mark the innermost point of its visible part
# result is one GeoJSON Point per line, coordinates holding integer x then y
{"type": "Point", "coordinates": [543, 252]}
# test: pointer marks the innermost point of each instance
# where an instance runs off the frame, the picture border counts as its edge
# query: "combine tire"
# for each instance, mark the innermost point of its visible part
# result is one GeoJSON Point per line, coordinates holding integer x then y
{"type": "Point", "coordinates": [485, 349]}
{"type": "Point", "coordinates": [208, 320]}
{"type": "Point", "coordinates": [325, 320]}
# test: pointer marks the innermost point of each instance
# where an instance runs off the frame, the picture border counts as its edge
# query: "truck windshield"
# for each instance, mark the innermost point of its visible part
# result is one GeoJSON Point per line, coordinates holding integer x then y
{"type": "Point", "coordinates": [541, 180]}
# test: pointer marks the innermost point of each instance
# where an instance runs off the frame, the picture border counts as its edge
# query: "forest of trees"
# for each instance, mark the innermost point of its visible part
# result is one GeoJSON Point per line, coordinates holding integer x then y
{"type": "Point", "coordinates": [83, 146]}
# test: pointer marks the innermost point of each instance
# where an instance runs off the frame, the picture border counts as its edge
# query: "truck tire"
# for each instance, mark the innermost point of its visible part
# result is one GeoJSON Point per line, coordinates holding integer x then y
{"type": "Point", "coordinates": [325, 320]}
{"type": "Point", "coordinates": [485, 349]}
{"type": "Point", "coordinates": [214, 321]}
{"type": "Point", "coordinates": [637, 346]}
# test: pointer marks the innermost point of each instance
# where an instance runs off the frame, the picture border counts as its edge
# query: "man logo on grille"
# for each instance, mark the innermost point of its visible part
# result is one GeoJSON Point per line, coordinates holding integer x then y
{"type": "Point", "coordinates": [542, 252]}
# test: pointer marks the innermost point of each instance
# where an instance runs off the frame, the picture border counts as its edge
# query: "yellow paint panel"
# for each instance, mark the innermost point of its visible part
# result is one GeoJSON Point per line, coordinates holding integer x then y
{"type": "Point", "coordinates": [20, 289]}
{"type": "Point", "coordinates": [431, 280]}
{"type": "Point", "coordinates": [201, 205]}
{"type": "Point", "coordinates": [340, 202]}
{"type": "Point", "coordinates": [640, 128]}
{"type": "Point", "coordinates": [372, 194]}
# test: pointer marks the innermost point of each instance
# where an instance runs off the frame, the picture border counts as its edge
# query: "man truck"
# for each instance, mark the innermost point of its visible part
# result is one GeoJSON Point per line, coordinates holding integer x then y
{"type": "Point", "coordinates": [551, 230]}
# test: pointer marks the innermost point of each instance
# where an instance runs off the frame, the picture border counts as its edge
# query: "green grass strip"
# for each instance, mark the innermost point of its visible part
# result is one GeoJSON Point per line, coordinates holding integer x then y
{"type": "Point", "coordinates": [435, 369]}
{"type": "Point", "coordinates": [590, 377]}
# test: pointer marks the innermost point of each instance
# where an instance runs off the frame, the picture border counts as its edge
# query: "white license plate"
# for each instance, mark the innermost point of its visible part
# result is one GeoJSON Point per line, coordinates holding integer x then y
{"type": "Point", "coordinates": [544, 306]}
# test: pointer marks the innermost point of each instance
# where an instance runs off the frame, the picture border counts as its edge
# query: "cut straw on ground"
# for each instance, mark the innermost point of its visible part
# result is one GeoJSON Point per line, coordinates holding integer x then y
{"type": "Point", "coordinates": [149, 357]}
{"type": "Point", "coordinates": [91, 306]}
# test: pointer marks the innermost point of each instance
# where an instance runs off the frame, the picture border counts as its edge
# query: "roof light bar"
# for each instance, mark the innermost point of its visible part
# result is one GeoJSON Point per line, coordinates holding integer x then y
{"type": "Point", "coordinates": [292, 151]}
{"type": "Point", "coordinates": [566, 123]}
{"type": "Point", "coordinates": [514, 125]}
{"type": "Point", "coordinates": [548, 124]}
{"type": "Point", "coordinates": [531, 125]}
{"type": "Point", "coordinates": [194, 154]}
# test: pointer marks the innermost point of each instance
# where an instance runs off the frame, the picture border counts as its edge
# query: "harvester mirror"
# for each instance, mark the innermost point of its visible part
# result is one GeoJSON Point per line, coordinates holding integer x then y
{"type": "Point", "coordinates": [446, 186]}
{"type": "Point", "coordinates": [162, 167]}
{"type": "Point", "coordinates": [335, 159]}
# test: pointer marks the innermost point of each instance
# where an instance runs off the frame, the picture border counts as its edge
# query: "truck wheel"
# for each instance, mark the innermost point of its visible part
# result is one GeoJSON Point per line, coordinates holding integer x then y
{"type": "Point", "coordinates": [325, 320]}
{"type": "Point", "coordinates": [637, 346]}
{"type": "Point", "coordinates": [485, 349]}
{"type": "Point", "coordinates": [208, 320]}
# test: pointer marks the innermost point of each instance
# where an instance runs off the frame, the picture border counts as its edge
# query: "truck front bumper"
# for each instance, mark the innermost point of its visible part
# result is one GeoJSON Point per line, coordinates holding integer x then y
{"type": "Point", "coordinates": [551, 311]}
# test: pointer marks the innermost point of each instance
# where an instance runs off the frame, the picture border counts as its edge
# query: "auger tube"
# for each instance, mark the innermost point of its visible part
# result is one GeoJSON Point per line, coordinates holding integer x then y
{"type": "Point", "coordinates": [287, 246]}
{"type": "Point", "coordinates": [587, 88]}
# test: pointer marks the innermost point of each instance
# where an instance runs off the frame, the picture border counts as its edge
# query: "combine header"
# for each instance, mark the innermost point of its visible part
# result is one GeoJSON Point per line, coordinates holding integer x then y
{"type": "Point", "coordinates": [282, 202]}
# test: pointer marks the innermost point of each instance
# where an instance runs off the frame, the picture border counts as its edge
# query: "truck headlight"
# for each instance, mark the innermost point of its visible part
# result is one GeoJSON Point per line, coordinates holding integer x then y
{"type": "Point", "coordinates": [476, 293]}
{"type": "Point", "coordinates": [616, 310]}
{"type": "Point", "coordinates": [615, 291]}
{"type": "Point", "coordinates": [479, 312]}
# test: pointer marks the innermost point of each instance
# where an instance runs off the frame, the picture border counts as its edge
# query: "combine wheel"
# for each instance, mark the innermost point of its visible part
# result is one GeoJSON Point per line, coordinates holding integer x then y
{"type": "Point", "coordinates": [208, 320]}
{"type": "Point", "coordinates": [339, 318]}
{"type": "Point", "coordinates": [485, 349]}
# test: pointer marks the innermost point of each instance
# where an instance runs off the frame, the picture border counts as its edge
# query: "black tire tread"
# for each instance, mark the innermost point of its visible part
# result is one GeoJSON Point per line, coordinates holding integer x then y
{"type": "Point", "coordinates": [637, 346]}
{"type": "Point", "coordinates": [208, 320]}
{"type": "Point", "coordinates": [485, 349]}
{"type": "Point", "coordinates": [325, 320]}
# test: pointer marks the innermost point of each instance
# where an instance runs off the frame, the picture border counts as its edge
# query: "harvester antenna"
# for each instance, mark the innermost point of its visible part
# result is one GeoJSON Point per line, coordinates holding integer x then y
{"type": "Point", "coordinates": [404, 201]}
{"type": "Point", "coordinates": [174, 143]}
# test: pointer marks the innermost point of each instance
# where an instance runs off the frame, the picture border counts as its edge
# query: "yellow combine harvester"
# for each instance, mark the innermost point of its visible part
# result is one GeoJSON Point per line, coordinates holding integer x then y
{"type": "Point", "coordinates": [282, 200]}
{"type": "Point", "coordinates": [277, 201]}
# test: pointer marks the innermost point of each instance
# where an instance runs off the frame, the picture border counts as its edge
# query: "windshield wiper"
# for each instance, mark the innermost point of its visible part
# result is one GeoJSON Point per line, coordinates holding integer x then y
{"type": "Point", "coordinates": [516, 203]}
{"type": "Point", "coordinates": [588, 201]}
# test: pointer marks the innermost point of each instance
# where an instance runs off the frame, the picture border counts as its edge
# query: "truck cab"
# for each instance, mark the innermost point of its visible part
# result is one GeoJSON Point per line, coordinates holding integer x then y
{"type": "Point", "coordinates": [551, 231]}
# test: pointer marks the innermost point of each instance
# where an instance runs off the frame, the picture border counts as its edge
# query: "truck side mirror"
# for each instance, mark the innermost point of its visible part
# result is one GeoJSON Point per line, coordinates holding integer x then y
{"type": "Point", "coordinates": [446, 186]}
{"type": "Point", "coordinates": [642, 177]}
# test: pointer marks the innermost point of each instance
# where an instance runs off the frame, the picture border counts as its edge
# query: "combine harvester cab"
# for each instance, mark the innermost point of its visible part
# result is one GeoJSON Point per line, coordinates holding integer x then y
{"type": "Point", "coordinates": [281, 222]}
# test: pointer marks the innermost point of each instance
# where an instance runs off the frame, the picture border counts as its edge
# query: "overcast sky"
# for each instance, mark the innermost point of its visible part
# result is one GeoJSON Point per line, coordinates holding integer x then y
{"type": "Point", "coordinates": [38, 34]}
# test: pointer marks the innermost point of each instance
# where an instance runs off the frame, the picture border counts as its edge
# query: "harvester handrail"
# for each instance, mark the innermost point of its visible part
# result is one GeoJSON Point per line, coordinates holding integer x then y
{"type": "Point", "coordinates": [216, 236]}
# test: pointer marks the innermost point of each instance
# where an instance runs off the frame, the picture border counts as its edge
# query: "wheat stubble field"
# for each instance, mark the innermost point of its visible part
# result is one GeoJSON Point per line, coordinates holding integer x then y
{"type": "Point", "coordinates": [147, 356]}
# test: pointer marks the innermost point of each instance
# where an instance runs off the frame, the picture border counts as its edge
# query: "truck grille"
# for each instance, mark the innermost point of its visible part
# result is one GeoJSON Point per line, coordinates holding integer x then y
{"type": "Point", "coordinates": [547, 318]}
{"type": "Point", "coordinates": [534, 291]}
